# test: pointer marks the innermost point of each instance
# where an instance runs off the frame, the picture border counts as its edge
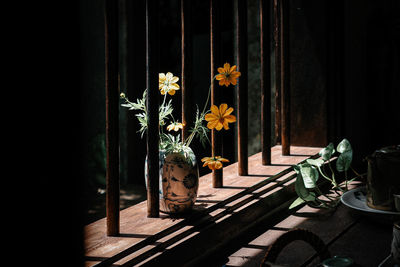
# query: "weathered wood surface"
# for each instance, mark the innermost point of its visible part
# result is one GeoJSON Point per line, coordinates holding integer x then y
{"type": "Point", "coordinates": [347, 232]}
{"type": "Point", "coordinates": [140, 235]}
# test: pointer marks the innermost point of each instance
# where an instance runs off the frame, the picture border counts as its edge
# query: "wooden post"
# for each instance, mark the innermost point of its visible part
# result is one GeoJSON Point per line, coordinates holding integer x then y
{"type": "Point", "coordinates": [265, 44]}
{"type": "Point", "coordinates": [242, 88]}
{"type": "Point", "coordinates": [277, 43]}
{"type": "Point", "coordinates": [215, 42]}
{"type": "Point", "coordinates": [112, 117]}
{"type": "Point", "coordinates": [285, 76]}
{"type": "Point", "coordinates": [152, 55]}
{"type": "Point", "coordinates": [187, 55]}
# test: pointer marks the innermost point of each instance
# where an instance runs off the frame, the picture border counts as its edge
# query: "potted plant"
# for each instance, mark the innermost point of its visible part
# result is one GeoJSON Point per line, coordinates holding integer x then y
{"type": "Point", "coordinates": [178, 165]}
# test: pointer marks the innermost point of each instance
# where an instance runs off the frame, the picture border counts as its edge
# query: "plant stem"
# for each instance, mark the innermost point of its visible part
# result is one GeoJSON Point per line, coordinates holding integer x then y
{"type": "Point", "coordinates": [360, 175]}
{"type": "Point", "coordinates": [323, 174]}
{"type": "Point", "coordinates": [196, 126]}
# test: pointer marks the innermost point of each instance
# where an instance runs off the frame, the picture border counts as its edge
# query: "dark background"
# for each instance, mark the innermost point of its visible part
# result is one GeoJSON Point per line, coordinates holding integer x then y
{"type": "Point", "coordinates": [345, 83]}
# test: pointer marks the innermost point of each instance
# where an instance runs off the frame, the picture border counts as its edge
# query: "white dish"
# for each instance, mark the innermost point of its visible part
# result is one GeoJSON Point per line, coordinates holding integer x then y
{"type": "Point", "coordinates": [357, 199]}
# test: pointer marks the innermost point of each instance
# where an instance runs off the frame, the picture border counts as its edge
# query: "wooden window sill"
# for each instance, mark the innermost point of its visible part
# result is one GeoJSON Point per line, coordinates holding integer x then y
{"type": "Point", "coordinates": [219, 215]}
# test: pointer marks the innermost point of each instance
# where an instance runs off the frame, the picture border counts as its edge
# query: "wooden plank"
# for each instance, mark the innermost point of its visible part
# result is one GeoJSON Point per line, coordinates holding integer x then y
{"type": "Point", "coordinates": [307, 218]}
{"type": "Point", "coordinates": [215, 50]}
{"type": "Point", "coordinates": [285, 76]}
{"type": "Point", "coordinates": [139, 234]}
{"type": "Point", "coordinates": [265, 45]}
{"type": "Point", "coordinates": [152, 108]}
{"type": "Point", "coordinates": [112, 116]}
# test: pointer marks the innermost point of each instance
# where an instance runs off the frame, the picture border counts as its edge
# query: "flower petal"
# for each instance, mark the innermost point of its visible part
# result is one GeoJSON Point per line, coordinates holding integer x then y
{"type": "Point", "coordinates": [223, 160]}
{"type": "Point", "coordinates": [212, 124]}
{"type": "Point", "coordinates": [174, 86]}
{"type": "Point", "coordinates": [227, 67]}
{"type": "Point", "coordinates": [222, 108]}
{"type": "Point", "coordinates": [235, 74]}
{"type": "Point", "coordinates": [210, 117]}
{"type": "Point", "coordinates": [229, 111]}
{"type": "Point", "coordinates": [174, 79]}
{"type": "Point", "coordinates": [169, 76]}
{"type": "Point", "coordinates": [215, 110]}
{"type": "Point", "coordinates": [220, 77]}
{"type": "Point", "coordinates": [221, 70]}
{"type": "Point", "coordinates": [230, 118]}
{"type": "Point", "coordinates": [171, 92]}
{"type": "Point", "coordinates": [219, 126]}
{"type": "Point", "coordinates": [233, 81]}
{"type": "Point", "coordinates": [205, 159]}
{"type": "Point", "coordinates": [232, 69]}
{"type": "Point", "coordinates": [161, 76]}
{"type": "Point", "coordinates": [225, 124]}
{"type": "Point", "coordinates": [218, 165]}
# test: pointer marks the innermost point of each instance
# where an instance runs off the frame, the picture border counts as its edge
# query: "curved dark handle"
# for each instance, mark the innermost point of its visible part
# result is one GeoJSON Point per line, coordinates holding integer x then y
{"type": "Point", "coordinates": [293, 235]}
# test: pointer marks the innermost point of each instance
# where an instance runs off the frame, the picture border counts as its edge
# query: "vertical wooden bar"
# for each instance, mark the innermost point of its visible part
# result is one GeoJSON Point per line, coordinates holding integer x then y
{"type": "Point", "coordinates": [152, 55]}
{"type": "Point", "coordinates": [112, 117]}
{"type": "Point", "coordinates": [242, 88]}
{"type": "Point", "coordinates": [215, 42]}
{"type": "Point", "coordinates": [265, 45]}
{"type": "Point", "coordinates": [285, 76]}
{"type": "Point", "coordinates": [186, 44]}
{"type": "Point", "coordinates": [277, 71]}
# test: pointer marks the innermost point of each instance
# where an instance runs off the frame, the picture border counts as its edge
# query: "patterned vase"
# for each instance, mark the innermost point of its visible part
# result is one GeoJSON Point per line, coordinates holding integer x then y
{"type": "Point", "coordinates": [179, 181]}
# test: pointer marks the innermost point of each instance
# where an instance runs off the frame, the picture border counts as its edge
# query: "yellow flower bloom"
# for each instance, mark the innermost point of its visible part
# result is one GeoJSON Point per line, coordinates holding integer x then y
{"type": "Point", "coordinates": [167, 83]}
{"type": "Point", "coordinates": [219, 117]}
{"type": "Point", "coordinates": [175, 126]}
{"type": "Point", "coordinates": [213, 163]}
{"type": "Point", "coordinates": [227, 75]}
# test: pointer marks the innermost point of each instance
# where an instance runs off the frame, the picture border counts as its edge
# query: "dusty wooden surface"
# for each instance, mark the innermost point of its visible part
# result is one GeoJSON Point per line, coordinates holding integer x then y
{"type": "Point", "coordinates": [364, 238]}
{"type": "Point", "coordinates": [139, 234]}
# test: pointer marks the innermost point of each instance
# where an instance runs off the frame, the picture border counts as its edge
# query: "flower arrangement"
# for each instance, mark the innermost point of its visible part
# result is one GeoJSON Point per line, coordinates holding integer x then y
{"type": "Point", "coordinates": [217, 118]}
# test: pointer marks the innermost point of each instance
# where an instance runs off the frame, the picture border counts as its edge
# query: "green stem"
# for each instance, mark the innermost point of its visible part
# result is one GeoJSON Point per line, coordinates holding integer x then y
{"type": "Point", "coordinates": [333, 173]}
{"type": "Point", "coordinates": [323, 174]}
{"type": "Point", "coordinates": [208, 96]}
{"type": "Point", "coordinates": [191, 136]}
{"type": "Point", "coordinates": [322, 194]}
{"type": "Point", "coordinates": [360, 175]}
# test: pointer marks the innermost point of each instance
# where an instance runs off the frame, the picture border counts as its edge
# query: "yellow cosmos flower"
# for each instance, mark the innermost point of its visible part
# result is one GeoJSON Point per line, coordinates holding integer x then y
{"type": "Point", "coordinates": [167, 83]}
{"type": "Point", "coordinates": [219, 117]}
{"type": "Point", "coordinates": [175, 126]}
{"type": "Point", "coordinates": [227, 75]}
{"type": "Point", "coordinates": [213, 163]}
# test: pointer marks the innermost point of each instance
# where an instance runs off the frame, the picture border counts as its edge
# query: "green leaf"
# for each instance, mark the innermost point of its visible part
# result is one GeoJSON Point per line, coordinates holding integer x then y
{"type": "Point", "coordinates": [311, 197]}
{"type": "Point", "coordinates": [310, 175]}
{"type": "Point", "coordinates": [327, 152]}
{"type": "Point", "coordinates": [344, 160]}
{"type": "Point", "coordinates": [299, 186]}
{"type": "Point", "coordinates": [315, 162]}
{"type": "Point", "coordinates": [297, 202]}
{"type": "Point", "coordinates": [344, 146]}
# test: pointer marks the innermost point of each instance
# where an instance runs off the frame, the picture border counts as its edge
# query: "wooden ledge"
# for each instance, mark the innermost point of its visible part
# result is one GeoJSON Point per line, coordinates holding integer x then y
{"type": "Point", "coordinates": [219, 215]}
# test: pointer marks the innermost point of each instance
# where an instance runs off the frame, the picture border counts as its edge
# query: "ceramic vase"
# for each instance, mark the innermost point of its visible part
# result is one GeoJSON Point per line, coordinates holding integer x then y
{"type": "Point", "coordinates": [179, 181]}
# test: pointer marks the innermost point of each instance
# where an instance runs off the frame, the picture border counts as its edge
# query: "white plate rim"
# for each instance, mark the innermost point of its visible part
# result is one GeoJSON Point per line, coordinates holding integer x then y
{"type": "Point", "coordinates": [349, 195]}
